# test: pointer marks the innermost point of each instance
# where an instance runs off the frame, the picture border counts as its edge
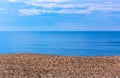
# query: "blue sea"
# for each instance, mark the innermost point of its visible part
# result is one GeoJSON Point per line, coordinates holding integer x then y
{"type": "Point", "coordinates": [84, 43]}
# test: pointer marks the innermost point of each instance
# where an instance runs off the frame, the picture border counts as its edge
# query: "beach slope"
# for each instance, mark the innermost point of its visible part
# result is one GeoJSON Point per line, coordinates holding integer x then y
{"type": "Point", "coordinates": [48, 66]}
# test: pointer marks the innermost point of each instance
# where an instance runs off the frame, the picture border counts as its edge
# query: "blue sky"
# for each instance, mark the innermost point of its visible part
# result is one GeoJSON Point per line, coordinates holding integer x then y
{"type": "Point", "coordinates": [60, 15]}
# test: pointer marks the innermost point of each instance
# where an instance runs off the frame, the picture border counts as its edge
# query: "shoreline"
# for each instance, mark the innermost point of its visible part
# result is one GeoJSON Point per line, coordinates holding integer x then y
{"type": "Point", "coordinates": [51, 66]}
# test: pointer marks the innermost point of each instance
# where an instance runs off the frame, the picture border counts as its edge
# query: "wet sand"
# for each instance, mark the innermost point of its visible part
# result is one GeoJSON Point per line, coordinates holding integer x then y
{"type": "Point", "coordinates": [48, 66]}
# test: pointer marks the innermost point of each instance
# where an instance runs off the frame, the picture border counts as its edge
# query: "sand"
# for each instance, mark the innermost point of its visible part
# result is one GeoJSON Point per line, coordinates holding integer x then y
{"type": "Point", "coordinates": [48, 66]}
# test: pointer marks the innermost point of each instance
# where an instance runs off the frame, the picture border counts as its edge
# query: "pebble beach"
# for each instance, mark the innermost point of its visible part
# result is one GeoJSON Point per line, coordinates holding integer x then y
{"type": "Point", "coordinates": [50, 66]}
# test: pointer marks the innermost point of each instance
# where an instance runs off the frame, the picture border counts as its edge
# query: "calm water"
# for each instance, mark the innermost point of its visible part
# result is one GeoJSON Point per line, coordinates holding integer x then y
{"type": "Point", "coordinates": [61, 43]}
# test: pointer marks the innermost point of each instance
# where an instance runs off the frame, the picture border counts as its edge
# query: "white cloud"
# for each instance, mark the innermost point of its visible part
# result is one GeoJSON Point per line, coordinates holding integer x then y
{"type": "Point", "coordinates": [38, 11]}
{"type": "Point", "coordinates": [38, 1]}
{"type": "Point", "coordinates": [34, 1]}
{"type": "Point", "coordinates": [12, 0]}
{"type": "Point", "coordinates": [68, 6]}
{"type": "Point", "coordinates": [29, 11]}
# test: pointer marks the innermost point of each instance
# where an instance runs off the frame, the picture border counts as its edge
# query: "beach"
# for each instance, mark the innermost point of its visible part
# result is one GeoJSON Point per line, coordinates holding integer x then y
{"type": "Point", "coordinates": [50, 66]}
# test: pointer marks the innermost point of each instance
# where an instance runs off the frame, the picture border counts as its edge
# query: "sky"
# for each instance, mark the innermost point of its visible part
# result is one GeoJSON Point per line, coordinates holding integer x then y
{"type": "Point", "coordinates": [60, 15]}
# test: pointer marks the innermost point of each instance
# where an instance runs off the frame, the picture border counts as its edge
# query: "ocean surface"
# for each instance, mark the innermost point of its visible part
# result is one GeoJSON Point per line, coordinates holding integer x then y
{"type": "Point", "coordinates": [61, 43]}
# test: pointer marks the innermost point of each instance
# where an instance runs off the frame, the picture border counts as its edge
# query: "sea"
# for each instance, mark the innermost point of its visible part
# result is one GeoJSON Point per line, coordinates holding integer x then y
{"type": "Point", "coordinates": [61, 43]}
